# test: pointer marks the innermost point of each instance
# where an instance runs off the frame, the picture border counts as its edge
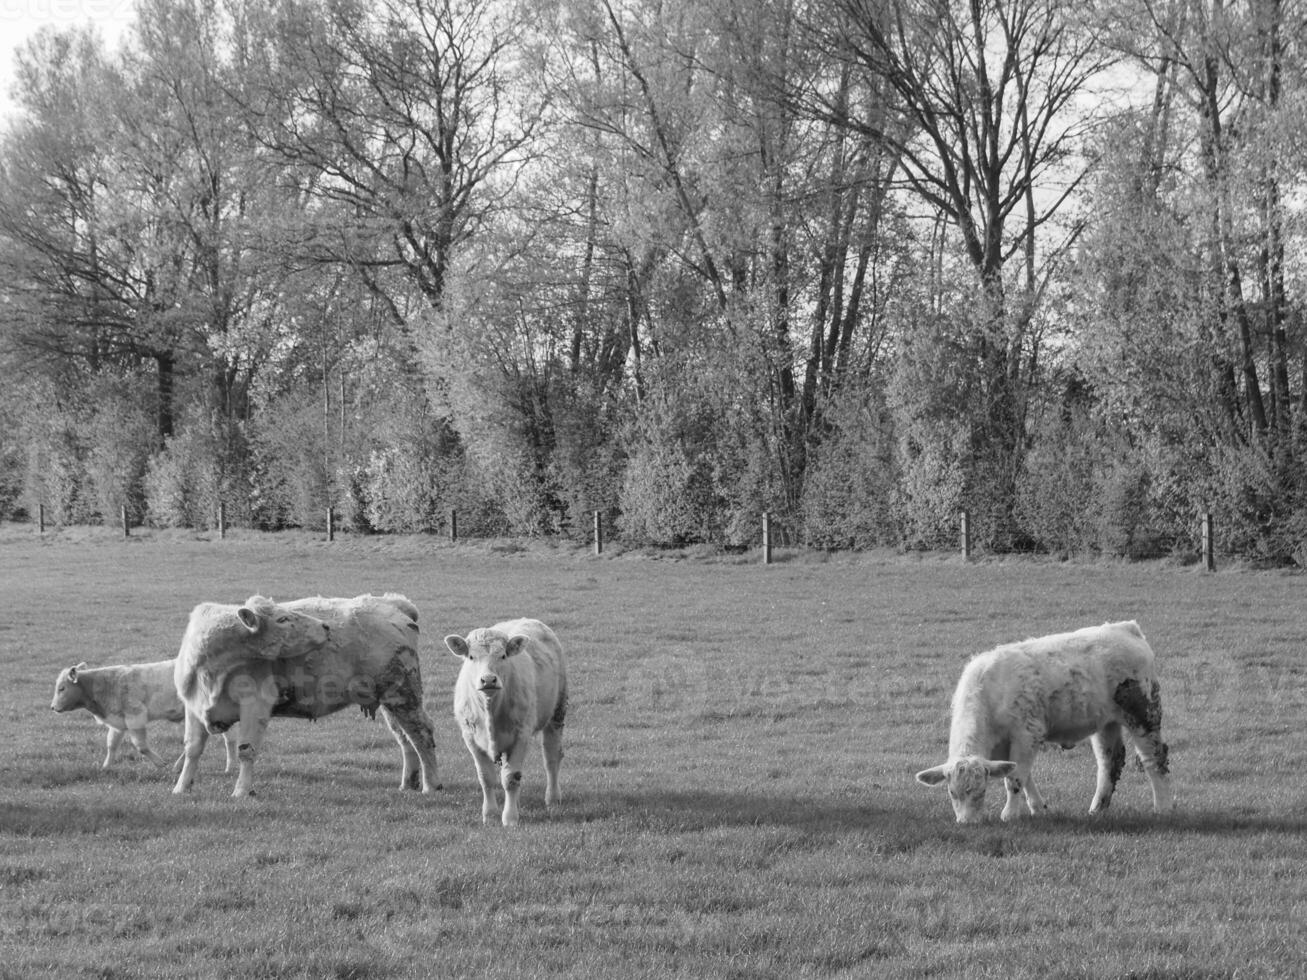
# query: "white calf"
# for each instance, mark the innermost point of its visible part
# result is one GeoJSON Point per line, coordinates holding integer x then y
{"type": "Point", "coordinates": [512, 685]}
{"type": "Point", "coordinates": [123, 699]}
{"type": "Point", "coordinates": [1061, 689]}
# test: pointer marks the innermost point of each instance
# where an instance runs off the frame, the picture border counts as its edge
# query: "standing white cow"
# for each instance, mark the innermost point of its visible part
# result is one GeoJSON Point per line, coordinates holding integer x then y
{"type": "Point", "coordinates": [123, 698]}
{"type": "Point", "coordinates": [1060, 689]}
{"type": "Point", "coordinates": [303, 659]}
{"type": "Point", "coordinates": [512, 685]}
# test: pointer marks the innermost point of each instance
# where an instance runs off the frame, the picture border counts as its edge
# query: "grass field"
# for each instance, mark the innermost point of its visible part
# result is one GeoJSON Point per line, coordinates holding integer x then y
{"type": "Point", "coordinates": [738, 788]}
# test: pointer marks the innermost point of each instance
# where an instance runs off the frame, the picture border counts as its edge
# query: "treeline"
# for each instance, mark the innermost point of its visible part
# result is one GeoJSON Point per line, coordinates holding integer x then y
{"type": "Point", "coordinates": [856, 263]}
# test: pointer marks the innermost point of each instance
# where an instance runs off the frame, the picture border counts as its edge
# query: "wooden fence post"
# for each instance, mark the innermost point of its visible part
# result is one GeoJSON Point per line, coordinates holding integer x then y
{"type": "Point", "coordinates": [222, 520]}
{"type": "Point", "coordinates": [1209, 544]}
{"type": "Point", "coordinates": [40, 517]}
{"type": "Point", "coordinates": [965, 534]}
{"type": "Point", "coordinates": [453, 526]}
{"type": "Point", "coordinates": [126, 531]}
{"type": "Point", "coordinates": [766, 538]}
{"type": "Point", "coordinates": [331, 523]}
{"type": "Point", "coordinates": [599, 532]}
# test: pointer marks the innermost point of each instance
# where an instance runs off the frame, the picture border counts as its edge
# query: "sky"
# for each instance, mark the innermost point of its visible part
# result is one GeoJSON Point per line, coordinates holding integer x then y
{"type": "Point", "coordinates": [20, 19]}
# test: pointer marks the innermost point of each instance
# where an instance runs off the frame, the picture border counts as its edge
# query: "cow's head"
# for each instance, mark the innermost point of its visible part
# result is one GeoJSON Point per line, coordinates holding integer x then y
{"type": "Point", "coordinates": [276, 631]}
{"type": "Point", "coordinates": [68, 693]}
{"type": "Point", "coordinates": [484, 653]}
{"type": "Point", "coordinates": [967, 778]}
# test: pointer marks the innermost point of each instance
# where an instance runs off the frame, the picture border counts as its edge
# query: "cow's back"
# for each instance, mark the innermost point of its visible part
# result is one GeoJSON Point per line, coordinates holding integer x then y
{"type": "Point", "coordinates": [382, 624]}
{"type": "Point", "coordinates": [152, 684]}
{"type": "Point", "coordinates": [1063, 680]}
{"type": "Point", "coordinates": [372, 646]}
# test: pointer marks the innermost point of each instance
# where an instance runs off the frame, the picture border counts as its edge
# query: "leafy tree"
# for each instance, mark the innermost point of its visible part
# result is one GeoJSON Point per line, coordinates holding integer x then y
{"type": "Point", "coordinates": [985, 125]}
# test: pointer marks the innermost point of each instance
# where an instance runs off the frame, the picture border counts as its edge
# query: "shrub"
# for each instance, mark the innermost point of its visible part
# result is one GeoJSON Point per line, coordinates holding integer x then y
{"type": "Point", "coordinates": [662, 498]}
{"type": "Point", "coordinates": [83, 453]}
{"type": "Point", "coordinates": [668, 496]}
{"type": "Point", "coordinates": [56, 473]}
{"type": "Point", "coordinates": [1056, 493]}
{"type": "Point", "coordinates": [929, 494]}
{"type": "Point", "coordinates": [585, 467]}
{"type": "Point", "coordinates": [1259, 493]}
{"type": "Point", "coordinates": [120, 433]}
{"type": "Point", "coordinates": [850, 483]}
{"type": "Point", "coordinates": [14, 399]}
{"type": "Point", "coordinates": [1124, 491]}
{"type": "Point", "coordinates": [402, 490]}
{"type": "Point", "coordinates": [184, 481]}
{"type": "Point", "coordinates": [291, 473]}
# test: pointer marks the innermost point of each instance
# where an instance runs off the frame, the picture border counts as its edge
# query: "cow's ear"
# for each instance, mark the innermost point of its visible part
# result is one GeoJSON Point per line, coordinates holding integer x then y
{"type": "Point", "coordinates": [996, 769]}
{"type": "Point", "coordinates": [251, 620]}
{"type": "Point", "coordinates": [457, 645]}
{"type": "Point", "coordinates": [933, 776]}
{"type": "Point", "coordinates": [72, 674]}
{"type": "Point", "coordinates": [514, 645]}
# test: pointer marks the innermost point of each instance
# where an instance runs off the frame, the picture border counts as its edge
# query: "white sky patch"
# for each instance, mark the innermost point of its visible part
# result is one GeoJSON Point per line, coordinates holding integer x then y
{"type": "Point", "coordinates": [20, 19]}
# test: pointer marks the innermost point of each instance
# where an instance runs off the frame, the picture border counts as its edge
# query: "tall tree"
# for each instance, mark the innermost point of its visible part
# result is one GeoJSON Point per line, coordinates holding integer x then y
{"type": "Point", "coordinates": [397, 122]}
{"type": "Point", "coordinates": [988, 126]}
{"type": "Point", "coordinates": [65, 310]}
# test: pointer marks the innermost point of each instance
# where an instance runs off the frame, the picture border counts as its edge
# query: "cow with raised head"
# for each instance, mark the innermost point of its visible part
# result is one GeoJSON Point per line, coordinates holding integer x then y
{"type": "Point", "coordinates": [244, 665]}
{"type": "Point", "coordinates": [123, 698]}
{"type": "Point", "coordinates": [513, 683]}
{"type": "Point", "coordinates": [1097, 682]}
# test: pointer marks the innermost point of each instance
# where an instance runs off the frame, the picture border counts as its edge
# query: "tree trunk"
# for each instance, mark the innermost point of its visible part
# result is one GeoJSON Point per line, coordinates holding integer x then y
{"type": "Point", "coordinates": [166, 365]}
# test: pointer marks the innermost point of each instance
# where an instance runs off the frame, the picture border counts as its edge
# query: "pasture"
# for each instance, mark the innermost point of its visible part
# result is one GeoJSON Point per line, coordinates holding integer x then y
{"type": "Point", "coordinates": [738, 784]}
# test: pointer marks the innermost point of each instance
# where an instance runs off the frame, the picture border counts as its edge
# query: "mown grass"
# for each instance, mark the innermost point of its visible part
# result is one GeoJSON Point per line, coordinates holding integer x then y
{"type": "Point", "coordinates": [738, 788]}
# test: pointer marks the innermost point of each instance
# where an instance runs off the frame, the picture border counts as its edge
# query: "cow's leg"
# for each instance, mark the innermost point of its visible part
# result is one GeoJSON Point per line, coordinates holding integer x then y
{"type": "Point", "coordinates": [510, 775]}
{"type": "Point", "coordinates": [1142, 711]}
{"type": "Point", "coordinates": [485, 767]}
{"type": "Point", "coordinates": [196, 736]}
{"type": "Point", "coordinates": [255, 715]}
{"type": "Point", "coordinates": [553, 743]}
{"type": "Point", "coordinates": [410, 773]}
{"type": "Point", "coordinates": [112, 738]}
{"type": "Point", "coordinates": [416, 736]}
{"type": "Point", "coordinates": [1109, 750]}
{"type": "Point", "coordinates": [1021, 782]}
{"type": "Point", "coordinates": [142, 743]}
{"type": "Point", "coordinates": [230, 746]}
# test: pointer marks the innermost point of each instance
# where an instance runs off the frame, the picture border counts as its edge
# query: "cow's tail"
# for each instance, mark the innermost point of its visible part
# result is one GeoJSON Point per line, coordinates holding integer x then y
{"type": "Point", "coordinates": [560, 709]}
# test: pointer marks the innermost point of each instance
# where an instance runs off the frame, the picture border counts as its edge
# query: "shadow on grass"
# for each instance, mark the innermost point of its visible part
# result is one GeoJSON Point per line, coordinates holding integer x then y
{"type": "Point", "coordinates": [64, 818]}
{"type": "Point", "coordinates": [128, 812]}
{"type": "Point", "coordinates": [703, 810]}
{"type": "Point", "coordinates": [1212, 822]}
{"type": "Point", "coordinates": [686, 811]}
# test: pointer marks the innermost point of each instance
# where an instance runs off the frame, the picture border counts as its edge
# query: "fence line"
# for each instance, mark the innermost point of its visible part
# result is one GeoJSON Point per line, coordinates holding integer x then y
{"type": "Point", "coordinates": [1207, 532]}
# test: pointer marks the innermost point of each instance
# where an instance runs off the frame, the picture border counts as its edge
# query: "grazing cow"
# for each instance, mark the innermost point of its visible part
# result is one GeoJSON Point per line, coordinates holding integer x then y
{"type": "Point", "coordinates": [512, 685]}
{"type": "Point", "coordinates": [1060, 688]}
{"type": "Point", "coordinates": [123, 699]}
{"type": "Point", "coordinates": [303, 659]}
